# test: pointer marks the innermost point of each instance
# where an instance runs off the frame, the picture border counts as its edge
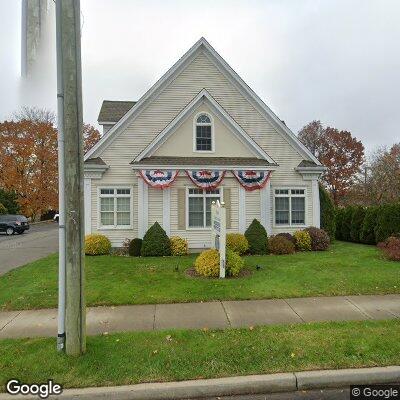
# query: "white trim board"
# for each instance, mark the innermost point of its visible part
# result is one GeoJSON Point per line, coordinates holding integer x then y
{"type": "Point", "coordinates": [204, 97]}
{"type": "Point", "coordinates": [167, 78]}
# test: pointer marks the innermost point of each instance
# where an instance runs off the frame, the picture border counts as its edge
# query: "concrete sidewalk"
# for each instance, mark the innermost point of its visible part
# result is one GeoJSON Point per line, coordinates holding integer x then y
{"type": "Point", "coordinates": [225, 314]}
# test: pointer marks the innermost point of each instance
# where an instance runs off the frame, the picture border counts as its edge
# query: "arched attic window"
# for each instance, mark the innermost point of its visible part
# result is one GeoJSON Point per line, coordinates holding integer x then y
{"type": "Point", "coordinates": [203, 133]}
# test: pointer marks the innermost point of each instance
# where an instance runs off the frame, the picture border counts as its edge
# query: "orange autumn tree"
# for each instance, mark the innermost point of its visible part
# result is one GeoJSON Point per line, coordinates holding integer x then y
{"type": "Point", "coordinates": [90, 137]}
{"type": "Point", "coordinates": [339, 151]}
{"type": "Point", "coordinates": [28, 164]}
{"type": "Point", "coordinates": [29, 159]}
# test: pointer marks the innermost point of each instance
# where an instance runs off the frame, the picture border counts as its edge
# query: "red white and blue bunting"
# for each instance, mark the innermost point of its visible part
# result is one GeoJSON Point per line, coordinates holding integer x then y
{"type": "Point", "coordinates": [252, 180]}
{"type": "Point", "coordinates": [158, 178]}
{"type": "Point", "coordinates": [206, 179]}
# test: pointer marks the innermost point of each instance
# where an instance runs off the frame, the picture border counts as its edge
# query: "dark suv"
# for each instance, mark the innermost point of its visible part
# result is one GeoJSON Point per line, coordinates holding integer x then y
{"type": "Point", "coordinates": [11, 224]}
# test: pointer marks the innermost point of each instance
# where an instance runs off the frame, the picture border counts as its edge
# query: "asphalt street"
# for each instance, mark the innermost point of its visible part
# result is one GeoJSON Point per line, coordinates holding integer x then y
{"type": "Point", "coordinates": [324, 394]}
{"type": "Point", "coordinates": [39, 241]}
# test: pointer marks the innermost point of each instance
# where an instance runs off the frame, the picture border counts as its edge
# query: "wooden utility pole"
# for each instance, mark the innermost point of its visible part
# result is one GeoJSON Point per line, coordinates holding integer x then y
{"type": "Point", "coordinates": [70, 79]}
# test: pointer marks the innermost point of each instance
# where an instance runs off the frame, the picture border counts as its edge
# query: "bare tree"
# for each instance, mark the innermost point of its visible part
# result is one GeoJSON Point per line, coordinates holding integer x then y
{"type": "Point", "coordinates": [35, 114]}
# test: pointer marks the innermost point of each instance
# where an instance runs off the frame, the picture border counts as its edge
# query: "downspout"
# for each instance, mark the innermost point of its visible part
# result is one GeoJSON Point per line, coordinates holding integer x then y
{"type": "Point", "coordinates": [61, 193]}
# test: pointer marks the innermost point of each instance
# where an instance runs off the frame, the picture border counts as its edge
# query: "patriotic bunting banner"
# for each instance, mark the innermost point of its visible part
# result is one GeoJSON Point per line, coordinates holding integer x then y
{"type": "Point", "coordinates": [252, 180]}
{"type": "Point", "coordinates": [206, 179]}
{"type": "Point", "coordinates": [158, 178]}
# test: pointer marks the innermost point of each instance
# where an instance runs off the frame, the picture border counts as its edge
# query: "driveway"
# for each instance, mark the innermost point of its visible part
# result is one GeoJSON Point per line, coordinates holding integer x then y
{"type": "Point", "coordinates": [16, 250]}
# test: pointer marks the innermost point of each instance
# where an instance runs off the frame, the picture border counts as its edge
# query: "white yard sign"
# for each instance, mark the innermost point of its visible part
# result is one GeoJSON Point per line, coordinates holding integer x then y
{"type": "Point", "coordinates": [218, 233]}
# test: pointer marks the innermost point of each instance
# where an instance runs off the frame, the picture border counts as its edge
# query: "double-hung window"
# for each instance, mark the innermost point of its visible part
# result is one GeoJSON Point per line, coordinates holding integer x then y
{"type": "Point", "coordinates": [203, 140]}
{"type": "Point", "coordinates": [199, 206]}
{"type": "Point", "coordinates": [290, 206]}
{"type": "Point", "coordinates": [115, 207]}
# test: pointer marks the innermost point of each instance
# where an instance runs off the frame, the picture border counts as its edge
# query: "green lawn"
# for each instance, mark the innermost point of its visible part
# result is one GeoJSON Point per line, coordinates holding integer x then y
{"type": "Point", "coordinates": [343, 270]}
{"type": "Point", "coordinates": [129, 358]}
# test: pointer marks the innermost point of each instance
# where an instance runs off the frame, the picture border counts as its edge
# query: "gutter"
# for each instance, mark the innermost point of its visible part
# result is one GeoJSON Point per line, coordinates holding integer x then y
{"type": "Point", "coordinates": [236, 386]}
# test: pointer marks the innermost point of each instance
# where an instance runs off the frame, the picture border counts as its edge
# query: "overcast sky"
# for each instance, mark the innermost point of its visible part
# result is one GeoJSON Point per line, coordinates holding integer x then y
{"type": "Point", "coordinates": [337, 61]}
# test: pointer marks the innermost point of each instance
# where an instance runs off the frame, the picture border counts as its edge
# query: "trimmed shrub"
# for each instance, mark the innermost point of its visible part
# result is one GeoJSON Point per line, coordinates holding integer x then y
{"type": "Point", "coordinates": [357, 221]}
{"type": "Point", "coordinates": [347, 216]}
{"type": "Point", "coordinates": [207, 263]}
{"type": "Point", "coordinates": [319, 239]}
{"type": "Point", "coordinates": [303, 240]}
{"type": "Point", "coordinates": [328, 212]}
{"type": "Point", "coordinates": [387, 222]}
{"type": "Point", "coordinates": [234, 263]}
{"type": "Point", "coordinates": [179, 246]}
{"type": "Point", "coordinates": [367, 234]}
{"type": "Point", "coordinates": [257, 237]}
{"type": "Point", "coordinates": [391, 248]}
{"type": "Point", "coordinates": [135, 247]}
{"type": "Point", "coordinates": [237, 243]}
{"type": "Point", "coordinates": [339, 223]}
{"type": "Point", "coordinates": [96, 245]}
{"type": "Point", "coordinates": [287, 236]}
{"type": "Point", "coordinates": [155, 242]}
{"type": "Point", "coordinates": [280, 245]}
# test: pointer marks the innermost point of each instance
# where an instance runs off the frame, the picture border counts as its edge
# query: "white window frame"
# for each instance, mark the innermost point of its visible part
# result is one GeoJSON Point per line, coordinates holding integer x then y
{"type": "Point", "coordinates": [195, 124]}
{"type": "Point", "coordinates": [199, 228]}
{"type": "Point", "coordinates": [290, 195]}
{"type": "Point", "coordinates": [101, 227]}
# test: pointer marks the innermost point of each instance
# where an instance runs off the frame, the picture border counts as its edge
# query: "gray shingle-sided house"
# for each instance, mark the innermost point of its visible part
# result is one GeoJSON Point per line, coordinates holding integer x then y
{"type": "Point", "coordinates": [197, 135]}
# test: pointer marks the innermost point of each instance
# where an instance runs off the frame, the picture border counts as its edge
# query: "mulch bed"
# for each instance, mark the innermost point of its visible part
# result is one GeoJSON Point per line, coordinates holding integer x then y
{"type": "Point", "coordinates": [191, 273]}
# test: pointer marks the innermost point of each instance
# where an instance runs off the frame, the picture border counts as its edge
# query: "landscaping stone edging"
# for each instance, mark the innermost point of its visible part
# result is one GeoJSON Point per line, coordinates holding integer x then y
{"type": "Point", "coordinates": [240, 385]}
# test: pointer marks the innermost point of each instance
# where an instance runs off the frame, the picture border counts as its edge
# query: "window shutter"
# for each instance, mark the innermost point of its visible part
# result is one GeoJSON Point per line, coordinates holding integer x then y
{"type": "Point", "coordinates": [227, 201]}
{"type": "Point", "coordinates": [181, 209]}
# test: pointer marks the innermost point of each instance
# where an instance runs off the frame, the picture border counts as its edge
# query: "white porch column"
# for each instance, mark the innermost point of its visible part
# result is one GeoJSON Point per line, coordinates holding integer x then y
{"type": "Point", "coordinates": [242, 209]}
{"type": "Point", "coordinates": [315, 204]}
{"type": "Point", "coordinates": [266, 207]}
{"type": "Point", "coordinates": [87, 201]}
{"type": "Point", "coordinates": [167, 210]}
{"type": "Point", "coordinates": [143, 211]}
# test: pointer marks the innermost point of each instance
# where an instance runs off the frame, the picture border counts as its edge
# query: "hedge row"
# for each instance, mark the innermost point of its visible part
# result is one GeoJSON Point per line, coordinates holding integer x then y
{"type": "Point", "coordinates": [370, 225]}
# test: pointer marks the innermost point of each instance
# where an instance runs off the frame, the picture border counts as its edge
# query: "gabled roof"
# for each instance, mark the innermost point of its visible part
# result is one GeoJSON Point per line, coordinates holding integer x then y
{"type": "Point", "coordinates": [250, 95]}
{"type": "Point", "coordinates": [112, 111]}
{"type": "Point", "coordinates": [204, 97]}
{"type": "Point", "coordinates": [210, 162]}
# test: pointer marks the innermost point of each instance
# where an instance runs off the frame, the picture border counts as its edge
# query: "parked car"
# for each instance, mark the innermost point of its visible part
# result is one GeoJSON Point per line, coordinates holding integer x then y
{"type": "Point", "coordinates": [11, 224]}
{"type": "Point", "coordinates": [56, 217]}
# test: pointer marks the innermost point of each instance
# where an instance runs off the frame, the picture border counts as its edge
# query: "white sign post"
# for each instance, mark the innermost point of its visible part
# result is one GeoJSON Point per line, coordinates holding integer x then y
{"type": "Point", "coordinates": [218, 233]}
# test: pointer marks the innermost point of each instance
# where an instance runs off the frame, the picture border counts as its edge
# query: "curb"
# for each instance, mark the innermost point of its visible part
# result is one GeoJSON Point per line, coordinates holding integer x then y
{"type": "Point", "coordinates": [241, 385]}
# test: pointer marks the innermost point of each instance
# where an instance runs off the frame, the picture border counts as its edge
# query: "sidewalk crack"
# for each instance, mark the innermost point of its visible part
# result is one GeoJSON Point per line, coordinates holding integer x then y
{"type": "Point", "coordinates": [9, 322]}
{"type": "Point", "coordinates": [226, 314]}
{"type": "Point", "coordinates": [154, 317]}
{"type": "Point", "coordinates": [294, 310]}
{"type": "Point", "coordinates": [359, 309]}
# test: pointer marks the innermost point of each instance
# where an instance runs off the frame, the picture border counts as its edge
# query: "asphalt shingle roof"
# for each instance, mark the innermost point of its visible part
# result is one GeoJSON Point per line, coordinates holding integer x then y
{"type": "Point", "coordinates": [113, 111]}
{"type": "Point", "coordinates": [307, 163]}
{"type": "Point", "coordinates": [96, 161]}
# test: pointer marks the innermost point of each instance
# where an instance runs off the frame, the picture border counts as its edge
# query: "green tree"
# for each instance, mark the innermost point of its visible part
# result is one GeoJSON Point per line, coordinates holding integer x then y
{"type": "Point", "coordinates": [346, 223]}
{"type": "Point", "coordinates": [9, 201]}
{"type": "Point", "coordinates": [357, 221]}
{"type": "Point", "coordinates": [328, 214]}
{"type": "Point", "coordinates": [367, 234]}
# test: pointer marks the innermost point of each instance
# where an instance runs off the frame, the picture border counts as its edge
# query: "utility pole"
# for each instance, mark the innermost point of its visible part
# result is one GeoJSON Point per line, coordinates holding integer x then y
{"type": "Point", "coordinates": [72, 314]}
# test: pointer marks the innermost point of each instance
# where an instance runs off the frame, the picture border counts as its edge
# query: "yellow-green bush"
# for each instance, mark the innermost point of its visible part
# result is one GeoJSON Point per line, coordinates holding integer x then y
{"type": "Point", "coordinates": [96, 245]}
{"type": "Point", "coordinates": [234, 263]}
{"type": "Point", "coordinates": [237, 243]}
{"type": "Point", "coordinates": [179, 246]}
{"type": "Point", "coordinates": [207, 263]}
{"type": "Point", "coordinates": [303, 240]}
